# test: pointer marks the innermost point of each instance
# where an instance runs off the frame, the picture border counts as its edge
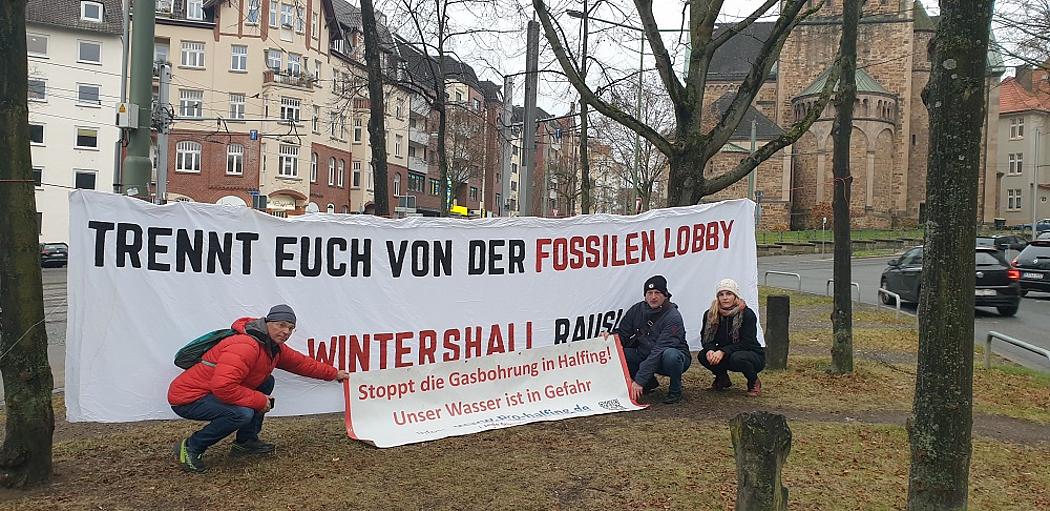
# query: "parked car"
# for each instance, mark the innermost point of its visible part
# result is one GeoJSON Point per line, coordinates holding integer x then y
{"type": "Point", "coordinates": [1034, 264]}
{"type": "Point", "coordinates": [1043, 236]}
{"type": "Point", "coordinates": [1002, 241]}
{"type": "Point", "coordinates": [997, 283]}
{"type": "Point", "coordinates": [54, 254]}
{"type": "Point", "coordinates": [1040, 226]}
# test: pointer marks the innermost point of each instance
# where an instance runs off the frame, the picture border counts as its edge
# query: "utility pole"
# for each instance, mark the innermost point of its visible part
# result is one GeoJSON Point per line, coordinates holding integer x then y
{"type": "Point", "coordinates": [137, 165]}
{"type": "Point", "coordinates": [118, 181]}
{"type": "Point", "coordinates": [505, 143]}
{"type": "Point", "coordinates": [1035, 187]}
{"type": "Point", "coordinates": [528, 154]}
{"type": "Point", "coordinates": [161, 110]}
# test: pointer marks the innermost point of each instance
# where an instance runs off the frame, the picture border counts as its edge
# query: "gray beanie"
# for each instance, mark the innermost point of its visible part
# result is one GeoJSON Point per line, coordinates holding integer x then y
{"type": "Point", "coordinates": [281, 312]}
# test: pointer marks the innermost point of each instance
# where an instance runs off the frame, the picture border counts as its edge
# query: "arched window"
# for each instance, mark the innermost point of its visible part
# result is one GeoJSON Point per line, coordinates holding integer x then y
{"type": "Point", "coordinates": [188, 156]}
{"type": "Point", "coordinates": [331, 208]}
{"type": "Point", "coordinates": [313, 167]}
{"type": "Point", "coordinates": [331, 171]}
{"type": "Point", "coordinates": [341, 172]}
{"type": "Point", "coordinates": [397, 184]}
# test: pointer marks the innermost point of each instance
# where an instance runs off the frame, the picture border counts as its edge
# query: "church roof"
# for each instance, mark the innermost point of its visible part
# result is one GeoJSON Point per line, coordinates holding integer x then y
{"type": "Point", "coordinates": [865, 83]}
{"type": "Point", "coordinates": [766, 129]}
{"type": "Point", "coordinates": [733, 60]}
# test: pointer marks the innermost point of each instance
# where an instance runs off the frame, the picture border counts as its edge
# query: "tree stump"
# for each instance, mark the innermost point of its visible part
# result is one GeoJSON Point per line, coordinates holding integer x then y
{"type": "Point", "coordinates": [778, 310]}
{"type": "Point", "coordinates": [761, 442]}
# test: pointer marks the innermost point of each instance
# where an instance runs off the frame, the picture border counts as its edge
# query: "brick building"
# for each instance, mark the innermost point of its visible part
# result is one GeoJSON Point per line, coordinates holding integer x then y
{"type": "Point", "coordinates": [890, 130]}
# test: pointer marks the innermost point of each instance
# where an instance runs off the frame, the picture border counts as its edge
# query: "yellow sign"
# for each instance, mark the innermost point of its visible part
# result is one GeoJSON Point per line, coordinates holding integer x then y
{"type": "Point", "coordinates": [123, 109]}
{"type": "Point", "coordinates": [459, 210]}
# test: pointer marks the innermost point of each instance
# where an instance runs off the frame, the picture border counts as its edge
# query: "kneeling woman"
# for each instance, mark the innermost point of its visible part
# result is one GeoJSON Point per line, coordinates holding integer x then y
{"type": "Point", "coordinates": [729, 337]}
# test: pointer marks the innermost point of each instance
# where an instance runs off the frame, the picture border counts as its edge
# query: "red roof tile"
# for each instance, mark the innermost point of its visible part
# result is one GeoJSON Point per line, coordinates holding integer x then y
{"type": "Point", "coordinates": [1013, 98]}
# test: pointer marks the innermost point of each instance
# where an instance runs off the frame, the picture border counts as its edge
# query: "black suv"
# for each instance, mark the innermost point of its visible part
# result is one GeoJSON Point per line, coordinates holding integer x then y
{"type": "Point", "coordinates": [1034, 264]}
{"type": "Point", "coordinates": [1002, 241]}
{"type": "Point", "coordinates": [54, 254]}
{"type": "Point", "coordinates": [996, 285]}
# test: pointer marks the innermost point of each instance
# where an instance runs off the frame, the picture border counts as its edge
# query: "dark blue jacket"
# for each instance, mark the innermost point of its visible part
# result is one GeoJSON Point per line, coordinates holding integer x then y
{"type": "Point", "coordinates": [653, 331]}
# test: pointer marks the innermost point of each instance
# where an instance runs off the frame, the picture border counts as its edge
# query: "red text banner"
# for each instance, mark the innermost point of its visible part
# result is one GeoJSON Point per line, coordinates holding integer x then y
{"type": "Point", "coordinates": [394, 407]}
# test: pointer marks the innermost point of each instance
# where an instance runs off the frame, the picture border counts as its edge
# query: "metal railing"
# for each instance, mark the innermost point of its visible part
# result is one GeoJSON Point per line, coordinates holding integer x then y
{"type": "Point", "coordinates": [827, 289]}
{"type": "Point", "coordinates": [765, 280]}
{"type": "Point", "coordinates": [1009, 340]}
{"type": "Point", "coordinates": [896, 297]}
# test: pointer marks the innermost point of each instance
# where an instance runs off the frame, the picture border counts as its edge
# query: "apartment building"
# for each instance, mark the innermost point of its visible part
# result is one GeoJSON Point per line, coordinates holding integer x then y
{"type": "Point", "coordinates": [1023, 160]}
{"type": "Point", "coordinates": [553, 187]}
{"type": "Point", "coordinates": [74, 55]}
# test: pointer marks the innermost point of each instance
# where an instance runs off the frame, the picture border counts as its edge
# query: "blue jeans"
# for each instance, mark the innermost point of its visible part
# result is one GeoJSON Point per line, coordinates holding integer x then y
{"type": "Point", "coordinates": [225, 419]}
{"type": "Point", "coordinates": [672, 364]}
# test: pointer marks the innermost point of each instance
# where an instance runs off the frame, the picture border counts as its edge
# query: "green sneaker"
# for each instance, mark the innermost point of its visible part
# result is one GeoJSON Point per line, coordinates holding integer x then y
{"type": "Point", "coordinates": [251, 447]}
{"type": "Point", "coordinates": [190, 461]}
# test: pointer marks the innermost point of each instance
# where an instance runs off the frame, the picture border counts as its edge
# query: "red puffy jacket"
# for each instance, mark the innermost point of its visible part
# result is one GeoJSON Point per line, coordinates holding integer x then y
{"type": "Point", "coordinates": [241, 364]}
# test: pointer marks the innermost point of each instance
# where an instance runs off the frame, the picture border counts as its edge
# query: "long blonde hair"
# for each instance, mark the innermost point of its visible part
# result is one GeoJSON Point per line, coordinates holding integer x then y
{"type": "Point", "coordinates": [714, 314]}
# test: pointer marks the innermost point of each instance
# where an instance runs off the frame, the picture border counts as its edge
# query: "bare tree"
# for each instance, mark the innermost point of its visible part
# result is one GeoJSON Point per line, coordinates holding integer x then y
{"type": "Point", "coordinates": [1022, 29]}
{"type": "Point", "coordinates": [25, 458]}
{"type": "Point", "coordinates": [465, 145]}
{"type": "Point", "coordinates": [690, 145]}
{"type": "Point", "coordinates": [842, 131]}
{"type": "Point", "coordinates": [941, 427]}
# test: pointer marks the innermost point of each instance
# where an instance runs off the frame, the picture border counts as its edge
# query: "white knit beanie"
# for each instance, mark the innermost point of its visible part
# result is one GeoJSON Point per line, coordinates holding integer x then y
{"type": "Point", "coordinates": [728, 285]}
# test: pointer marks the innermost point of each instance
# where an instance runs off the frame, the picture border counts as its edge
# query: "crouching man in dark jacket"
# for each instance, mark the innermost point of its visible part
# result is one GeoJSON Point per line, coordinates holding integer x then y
{"type": "Point", "coordinates": [653, 337]}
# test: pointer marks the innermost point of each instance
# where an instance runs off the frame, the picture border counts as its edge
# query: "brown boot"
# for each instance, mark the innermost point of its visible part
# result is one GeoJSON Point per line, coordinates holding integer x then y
{"type": "Point", "coordinates": [754, 389]}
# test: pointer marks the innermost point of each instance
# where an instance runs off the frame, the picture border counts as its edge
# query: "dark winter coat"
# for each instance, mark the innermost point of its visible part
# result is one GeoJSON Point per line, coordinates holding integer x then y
{"type": "Point", "coordinates": [652, 331]}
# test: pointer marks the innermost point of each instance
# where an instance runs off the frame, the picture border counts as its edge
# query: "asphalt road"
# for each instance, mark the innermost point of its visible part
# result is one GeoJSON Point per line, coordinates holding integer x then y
{"type": "Point", "coordinates": [1031, 324]}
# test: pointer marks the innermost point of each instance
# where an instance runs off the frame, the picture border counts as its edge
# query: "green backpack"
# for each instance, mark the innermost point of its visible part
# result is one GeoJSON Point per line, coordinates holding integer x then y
{"type": "Point", "coordinates": [191, 353]}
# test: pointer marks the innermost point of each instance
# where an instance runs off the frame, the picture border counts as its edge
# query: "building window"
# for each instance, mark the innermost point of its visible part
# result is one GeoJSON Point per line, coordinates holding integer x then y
{"type": "Point", "coordinates": [36, 45]}
{"type": "Point", "coordinates": [315, 31]}
{"type": "Point", "coordinates": [289, 164]}
{"type": "Point", "coordinates": [331, 208]}
{"type": "Point", "coordinates": [91, 11]}
{"type": "Point", "coordinates": [340, 174]}
{"type": "Point", "coordinates": [416, 182]}
{"type": "Point", "coordinates": [89, 94]}
{"type": "Point", "coordinates": [1013, 199]}
{"type": "Point", "coordinates": [37, 89]}
{"type": "Point", "coordinates": [252, 16]}
{"type": "Point", "coordinates": [300, 19]}
{"type": "Point", "coordinates": [316, 122]}
{"type": "Point", "coordinates": [357, 130]}
{"type": "Point", "coordinates": [331, 171]}
{"type": "Point", "coordinates": [1017, 128]}
{"type": "Point", "coordinates": [398, 140]}
{"type": "Point", "coordinates": [513, 186]}
{"type": "Point", "coordinates": [317, 71]}
{"type": "Point", "coordinates": [295, 64]}
{"type": "Point", "coordinates": [286, 15]}
{"type": "Point", "coordinates": [399, 109]}
{"type": "Point", "coordinates": [473, 193]}
{"type": "Point", "coordinates": [499, 201]}
{"type": "Point", "coordinates": [515, 150]}
{"type": "Point", "coordinates": [84, 179]}
{"type": "Point", "coordinates": [236, 106]}
{"type": "Point", "coordinates": [459, 97]}
{"type": "Point", "coordinates": [477, 104]}
{"type": "Point", "coordinates": [36, 133]}
{"type": "Point", "coordinates": [235, 159]}
{"type": "Point", "coordinates": [273, 60]}
{"type": "Point", "coordinates": [195, 10]}
{"type": "Point", "coordinates": [435, 187]}
{"type": "Point", "coordinates": [191, 103]}
{"type": "Point", "coordinates": [313, 167]}
{"type": "Point", "coordinates": [188, 156]}
{"type": "Point", "coordinates": [273, 13]}
{"type": "Point", "coordinates": [87, 138]}
{"type": "Point", "coordinates": [355, 175]}
{"type": "Point", "coordinates": [192, 54]}
{"type": "Point", "coordinates": [290, 109]}
{"type": "Point", "coordinates": [1016, 164]}
{"type": "Point", "coordinates": [239, 58]}
{"type": "Point", "coordinates": [342, 127]}
{"type": "Point", "coordinates": [333, 124]}
{"type": "Point", "coordinates": [89, 52]}
{"type": "Point", "coordinates": [38, 177]}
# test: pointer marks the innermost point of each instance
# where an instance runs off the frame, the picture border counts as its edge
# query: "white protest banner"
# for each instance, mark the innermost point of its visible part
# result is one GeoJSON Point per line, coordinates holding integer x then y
{"type": "Point", "coordinates": [394, 407]}
{"type": "Point", "coordinates": [369, 293]}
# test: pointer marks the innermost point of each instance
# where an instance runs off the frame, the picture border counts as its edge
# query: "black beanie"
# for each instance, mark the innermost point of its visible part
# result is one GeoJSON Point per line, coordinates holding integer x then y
{"type": "Point", "coordinates": [281, 312]}
{"type": "Point", "coordinates": [657, 282]}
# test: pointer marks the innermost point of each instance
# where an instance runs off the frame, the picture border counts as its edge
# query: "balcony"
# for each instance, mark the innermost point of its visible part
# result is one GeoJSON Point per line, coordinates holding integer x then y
{"type": "Point", "coordinates": [420, 107]}
{"type": "Point", "coordinates": [418, 136]}
{"type": "Point", "coordinates": [300, 80]}
{"type": "Point", "coordinates": [417, 165]}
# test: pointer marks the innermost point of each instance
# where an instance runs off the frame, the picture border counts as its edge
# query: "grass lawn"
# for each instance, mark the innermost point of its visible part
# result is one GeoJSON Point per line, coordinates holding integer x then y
{"type": "Point", "coordinates": [849, 451]}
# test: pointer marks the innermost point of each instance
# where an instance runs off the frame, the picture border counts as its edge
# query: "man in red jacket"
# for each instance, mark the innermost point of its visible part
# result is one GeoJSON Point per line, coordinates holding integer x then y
{"type": "Point", "coordinates": [231, 385]}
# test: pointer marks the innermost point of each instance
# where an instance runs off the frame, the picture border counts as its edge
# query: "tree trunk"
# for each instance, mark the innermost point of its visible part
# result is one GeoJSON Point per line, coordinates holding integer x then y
{"type": "Point", "coordinates": [585, 166]}
{"type": "Point", "coordinates": [761, 442]}
{"type": "Point", "coordinates": [683, 184]}
{"type": "Point", "coordinates": [842, 313]}
{"type": "Point", "coordinates": [25, 458]}
{"type": "Point", "coordinates": [376, 119]}
{"type": "Point", "coordinates": [940, 430]}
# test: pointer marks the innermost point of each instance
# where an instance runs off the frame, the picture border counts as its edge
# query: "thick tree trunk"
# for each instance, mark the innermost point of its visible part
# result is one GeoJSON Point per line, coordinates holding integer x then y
{"type": "Point", "coordinates": [761, 442]}
{"type": "Point", "coordinates": [25, 458]}
{"type": "Point", "coordinates": [376, 119]}
{"type": "Point", "coordinates": [842, 313]}
{"type": "Point", "coordinates": [684, 185]}
{"type": "Point", "coordinates": [940, 430]}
